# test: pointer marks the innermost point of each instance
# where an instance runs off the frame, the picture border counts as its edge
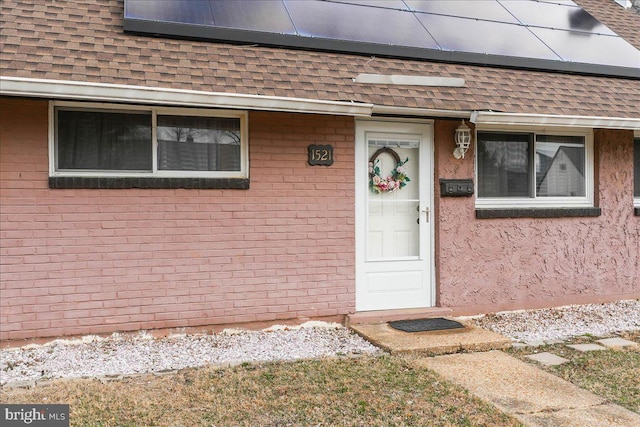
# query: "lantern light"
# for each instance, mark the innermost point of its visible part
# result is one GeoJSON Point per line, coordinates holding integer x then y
{"type": "Point", "coordinates": [463, 141]}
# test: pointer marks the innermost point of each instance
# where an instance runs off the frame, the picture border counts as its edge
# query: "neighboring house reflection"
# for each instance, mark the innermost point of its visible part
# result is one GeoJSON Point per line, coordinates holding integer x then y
{"type": "Point", "coordinates": [562, 175]}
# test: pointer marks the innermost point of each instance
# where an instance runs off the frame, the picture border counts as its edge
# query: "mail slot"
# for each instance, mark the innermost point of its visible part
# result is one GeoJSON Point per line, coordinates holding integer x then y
{"type": "Point", "coordinates": [456, 187]}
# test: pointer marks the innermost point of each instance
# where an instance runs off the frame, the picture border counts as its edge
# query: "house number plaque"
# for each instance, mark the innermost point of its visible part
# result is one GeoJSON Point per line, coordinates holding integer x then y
{"type": "Point", "coordinates": [320, 155]}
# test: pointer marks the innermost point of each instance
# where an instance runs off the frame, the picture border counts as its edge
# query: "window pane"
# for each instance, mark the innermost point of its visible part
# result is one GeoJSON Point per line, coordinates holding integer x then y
{"type": "Point", "coordinates": [103, 141]}
{"type": "Point", "coordinates": [503, 165]}
{"type": "Point", "coordinates": [560, 166]}
{"type": "Point", "coordinates": [636, 167]}
{"type": "Point", "coordinates": [198, 143]}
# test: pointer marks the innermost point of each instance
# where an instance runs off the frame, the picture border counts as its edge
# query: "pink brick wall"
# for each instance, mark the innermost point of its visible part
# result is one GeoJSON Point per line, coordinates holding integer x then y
{"type": "Point", "coordinates": [505, 264]}
{"type": "Point", "coordinates": [93, 261]}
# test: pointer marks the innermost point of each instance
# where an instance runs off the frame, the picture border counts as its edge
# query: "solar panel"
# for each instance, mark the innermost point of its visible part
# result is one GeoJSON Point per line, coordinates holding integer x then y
{"type": "Point", "coordinates": [482, 10]}
{"type": "Point", "coordinates": [588, 48]}
{"type": "Point", "coordinates": [555, 16]}
{"type": "Point", "coordinates": [182, 11]}
{"type": "Point", "coordinates": [494, 38]}
{"type": "Point", "coordinates": [335, 20]}
{"type": "Point", "coordinates": [389, 4]}
{"type": "Point", "coordinates": [264, 15]}
{"type": "Point", "coordinates": [551, 35]}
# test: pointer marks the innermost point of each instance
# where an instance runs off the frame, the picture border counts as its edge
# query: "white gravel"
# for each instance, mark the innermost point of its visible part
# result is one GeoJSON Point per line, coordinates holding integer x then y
{"type": "Point", "coordinates": [118, 354]}
{"type": "Point", "coordinates": [561, 323]}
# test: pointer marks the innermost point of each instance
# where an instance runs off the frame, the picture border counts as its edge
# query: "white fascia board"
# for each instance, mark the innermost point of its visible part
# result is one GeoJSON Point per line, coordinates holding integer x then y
{"type": "Point", "coordinates": [550, 120]}
{"type": "Point", "coordinates": [104, 92]}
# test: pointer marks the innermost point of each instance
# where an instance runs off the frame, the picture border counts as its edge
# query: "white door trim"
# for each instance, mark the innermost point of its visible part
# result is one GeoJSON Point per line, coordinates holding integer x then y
{"type": "Point", "coordinates": [399, 126]}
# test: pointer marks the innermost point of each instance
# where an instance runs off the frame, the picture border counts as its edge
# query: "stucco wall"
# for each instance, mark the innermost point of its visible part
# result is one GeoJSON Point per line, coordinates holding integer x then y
{"type": "Point", "coordinates": [499, 264]}
{"type": "Point", "coordinates": [91, 261]}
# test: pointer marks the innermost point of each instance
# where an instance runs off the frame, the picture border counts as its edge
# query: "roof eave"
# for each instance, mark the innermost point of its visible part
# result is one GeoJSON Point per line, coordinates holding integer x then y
{"type": "Point", "coordinates": [492, 118]}
{"type": "Point", "coordinates": [104, 92]}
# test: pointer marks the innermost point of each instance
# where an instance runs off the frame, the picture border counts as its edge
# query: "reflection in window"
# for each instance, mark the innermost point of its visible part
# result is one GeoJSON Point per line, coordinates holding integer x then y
{"type": "Point", "coordinates": [198, 143]}
{"type": "Point", "coordinates": [560, 166]}
{"type": "Point", "coordinates": [507, 168]}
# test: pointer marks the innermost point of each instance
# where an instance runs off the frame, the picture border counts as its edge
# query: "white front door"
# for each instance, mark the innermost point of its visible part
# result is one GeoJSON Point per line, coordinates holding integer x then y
{"type": "Point", "coordinates": [393, 228]}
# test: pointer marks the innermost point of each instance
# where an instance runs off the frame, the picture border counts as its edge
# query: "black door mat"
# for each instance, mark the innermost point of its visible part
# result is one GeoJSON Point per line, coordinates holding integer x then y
{"type": "Point", "coordinates": [422, 325]}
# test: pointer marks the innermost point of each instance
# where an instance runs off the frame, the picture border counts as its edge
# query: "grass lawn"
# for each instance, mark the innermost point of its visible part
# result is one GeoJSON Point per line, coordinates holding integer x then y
{"type": "Point", "coordinates": [612, 374]}
{"type": "Point", "coordinates": [367, 391]}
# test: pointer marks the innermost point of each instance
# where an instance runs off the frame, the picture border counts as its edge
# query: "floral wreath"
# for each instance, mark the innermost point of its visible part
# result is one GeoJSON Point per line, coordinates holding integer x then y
{"type": "Point", "coordinates": [395, 181]}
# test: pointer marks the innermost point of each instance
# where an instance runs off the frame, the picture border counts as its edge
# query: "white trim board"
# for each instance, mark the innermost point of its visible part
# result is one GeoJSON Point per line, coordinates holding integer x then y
{"type": "Point", "coordinates": [398, 79]}
{"type": "Point", "coordinates": [551, 120]}
{"type": "Point", "coordinates": [64, 89]}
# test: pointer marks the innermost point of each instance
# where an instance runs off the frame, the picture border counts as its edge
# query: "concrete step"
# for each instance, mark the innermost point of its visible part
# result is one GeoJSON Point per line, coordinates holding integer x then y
{"type": "Point", "coordinates": [467, 339]}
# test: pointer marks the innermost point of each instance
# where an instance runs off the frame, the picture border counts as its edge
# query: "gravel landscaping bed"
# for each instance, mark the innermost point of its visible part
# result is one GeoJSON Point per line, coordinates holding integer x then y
{"type": "Point", "coordinates": [119, 354]}
{"type": "Point", "coordinates": [561, 323]}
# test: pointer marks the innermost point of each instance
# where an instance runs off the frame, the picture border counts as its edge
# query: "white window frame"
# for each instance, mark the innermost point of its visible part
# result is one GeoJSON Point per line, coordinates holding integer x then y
{"type": "Point", "coordinates": [541, 202]}
{"type": "Point", "coordinates": [636, 200]}
{"type": "Point", "coordinates": [154, 112]}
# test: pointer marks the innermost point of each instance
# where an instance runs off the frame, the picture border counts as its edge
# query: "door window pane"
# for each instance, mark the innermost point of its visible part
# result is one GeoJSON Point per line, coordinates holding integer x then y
{"type": "Point", "coordinates": [103, 141]}
{"type": "Point", "coordinates": [198, 143]}
{"type": "Point", "coordinates": [503, 164]}
{"type": "Point", "coordinates": [393, 228]}
{"type": "Point", "coordinates": [560, 166]}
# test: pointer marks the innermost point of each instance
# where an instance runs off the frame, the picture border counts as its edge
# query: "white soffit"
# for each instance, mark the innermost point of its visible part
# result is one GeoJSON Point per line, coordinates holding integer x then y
{"type": "Point", "coordinates": [549, 120]}
{"type": "Point", "coordinates": [65, 89]}
{"type": "Point", "coordinates": [397, 79]}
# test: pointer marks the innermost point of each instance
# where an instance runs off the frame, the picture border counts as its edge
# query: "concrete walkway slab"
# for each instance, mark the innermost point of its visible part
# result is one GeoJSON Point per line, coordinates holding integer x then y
{"type": "Point", "coordinates": [586, 347]}
{"type": "Point", "coordinates": [535, 397]}
{"type": "Point", "coordinates": [601, 416]}
{"type": "Point", "coordinates": [469, 338]}
{"type": "Point", "coordinates": [617, 343]}
{"type": "Point", "coordinates": [548, 359]}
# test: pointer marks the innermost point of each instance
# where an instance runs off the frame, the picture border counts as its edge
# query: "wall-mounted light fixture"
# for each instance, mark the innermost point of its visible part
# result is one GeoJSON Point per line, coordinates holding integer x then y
{"type": "Point", "coordinates": [463, 141]}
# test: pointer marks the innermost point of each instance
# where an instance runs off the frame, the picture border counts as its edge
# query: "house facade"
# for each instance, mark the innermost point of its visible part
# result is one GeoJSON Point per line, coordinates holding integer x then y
{"type": "Point", "coordinates": [151, 182]}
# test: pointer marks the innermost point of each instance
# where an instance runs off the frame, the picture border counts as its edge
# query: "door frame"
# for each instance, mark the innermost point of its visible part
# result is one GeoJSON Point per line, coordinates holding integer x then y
{"type": "Point", "coordinates": [389, 125]}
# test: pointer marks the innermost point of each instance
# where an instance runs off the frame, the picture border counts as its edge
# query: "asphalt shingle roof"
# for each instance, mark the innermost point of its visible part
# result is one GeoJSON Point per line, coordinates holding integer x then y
{"type": "Point", "coordinates": [83, 40]}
